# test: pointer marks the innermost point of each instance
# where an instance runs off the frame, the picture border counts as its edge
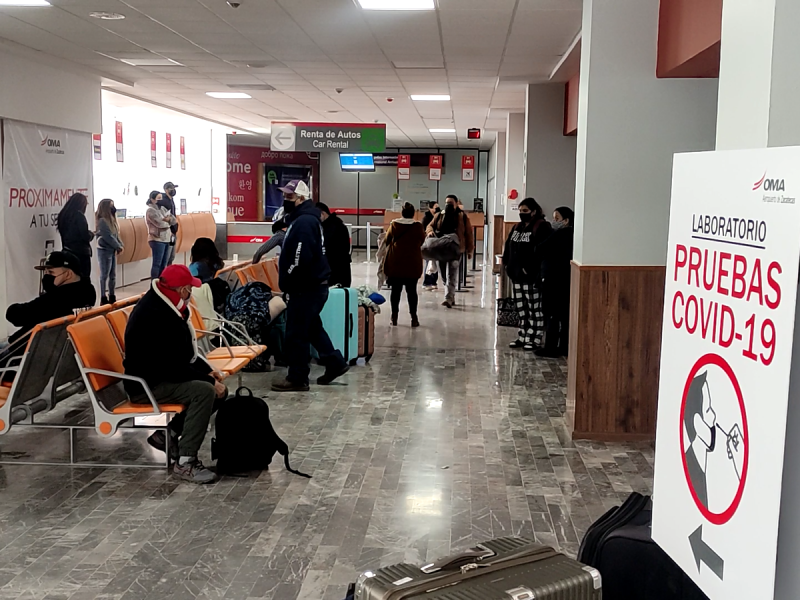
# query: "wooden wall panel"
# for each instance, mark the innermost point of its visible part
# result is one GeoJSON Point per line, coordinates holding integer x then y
{"type": "Point", "coordinates": [615, 343]}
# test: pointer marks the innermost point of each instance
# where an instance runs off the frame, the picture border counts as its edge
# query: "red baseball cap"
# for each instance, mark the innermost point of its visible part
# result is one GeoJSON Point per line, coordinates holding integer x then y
{"type": "Point", "coordinates": [177, 276]}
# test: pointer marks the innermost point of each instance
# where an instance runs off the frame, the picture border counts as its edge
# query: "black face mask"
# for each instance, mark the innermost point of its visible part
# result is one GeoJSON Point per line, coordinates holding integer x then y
{"type": "Point", "coordinates": [288, 206]}
{"type": "Point", "coordinates": [450, 209]}
{"type": "Point", "coordinates": [525, 217]}
{"type": "Point", "coordinates": [49, 283]}
{"type": "Point", "coordinates": [171, 193]}
{"type": "Point", "coordinates": [113, 210]}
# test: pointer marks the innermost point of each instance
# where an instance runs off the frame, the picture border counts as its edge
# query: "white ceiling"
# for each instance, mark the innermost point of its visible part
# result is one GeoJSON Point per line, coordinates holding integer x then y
{"type": "Point", "coordinates": [484, 50]}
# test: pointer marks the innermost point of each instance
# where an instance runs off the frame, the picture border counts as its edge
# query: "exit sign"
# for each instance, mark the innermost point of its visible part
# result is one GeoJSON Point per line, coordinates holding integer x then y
{"type": "Point", "coordinates": [473, 134]}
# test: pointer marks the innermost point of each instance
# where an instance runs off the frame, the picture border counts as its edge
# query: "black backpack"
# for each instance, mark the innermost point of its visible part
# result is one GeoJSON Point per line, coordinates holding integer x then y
{"type": "Point", "coordinates": [245, 439]}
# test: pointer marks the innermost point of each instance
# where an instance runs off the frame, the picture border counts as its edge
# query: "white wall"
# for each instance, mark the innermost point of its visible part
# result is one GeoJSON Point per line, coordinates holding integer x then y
{"type": "Point", "coordinates": [630, 125]}
{"type": "Point", "coordinates": [550, 155]}
{"type": "Point", "coordinates": [515, 164]}
{"type": "Point", "coordinates": [34, 92]}
{"type": "Point", "coordinates": [497, 163]}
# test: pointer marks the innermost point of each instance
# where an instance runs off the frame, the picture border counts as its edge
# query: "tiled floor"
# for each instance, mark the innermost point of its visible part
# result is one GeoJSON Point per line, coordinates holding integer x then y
{"type": "Point", "coordinates": [445, 439]}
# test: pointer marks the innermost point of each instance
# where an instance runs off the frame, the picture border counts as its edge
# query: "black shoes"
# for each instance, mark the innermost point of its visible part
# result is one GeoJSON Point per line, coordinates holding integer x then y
{"type": "Point", "coordinates": [284, 385]}
{"type": "Point", "coordinates": [332, 373]}
{"type": "Point", "coordinates": [159, 441]}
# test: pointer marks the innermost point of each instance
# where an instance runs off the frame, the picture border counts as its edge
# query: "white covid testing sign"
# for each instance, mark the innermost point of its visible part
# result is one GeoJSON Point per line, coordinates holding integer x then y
{"type": "Point", "coordinates": [729, 313]}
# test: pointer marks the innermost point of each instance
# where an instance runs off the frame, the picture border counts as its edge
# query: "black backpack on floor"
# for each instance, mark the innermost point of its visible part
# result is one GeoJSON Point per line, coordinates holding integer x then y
{"type": "Point", "coordinates": [245, 439]}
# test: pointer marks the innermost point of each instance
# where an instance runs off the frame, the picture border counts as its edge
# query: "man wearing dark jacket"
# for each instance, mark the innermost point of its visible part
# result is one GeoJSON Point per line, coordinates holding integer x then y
{"type": "Point", "coordinates": [168, 202]}
{"type": "Point", "coordinates": [337, 246]}
{"type": "Point", "coordinates": [64, 291]}
{"type": "Point", "coordinates": [161, 348]}
{"type": "Point", "coordinates": [304, 276]}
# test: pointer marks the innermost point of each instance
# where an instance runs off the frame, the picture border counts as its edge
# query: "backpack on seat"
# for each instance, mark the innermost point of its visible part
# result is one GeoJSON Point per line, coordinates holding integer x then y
{"type": "Point", "coordinates": [245, 439]}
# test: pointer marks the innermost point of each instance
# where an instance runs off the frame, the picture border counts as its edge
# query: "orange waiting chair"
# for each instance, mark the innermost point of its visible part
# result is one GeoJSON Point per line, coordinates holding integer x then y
{"type": "Point", "coordinates": [99, 359]}
{"type": "Point", "coordinates": [273, 274]}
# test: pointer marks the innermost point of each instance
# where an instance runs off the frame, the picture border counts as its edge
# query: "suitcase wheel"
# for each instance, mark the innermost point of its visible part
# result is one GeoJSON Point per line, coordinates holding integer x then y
{"type": "Point", "coordinates": [366, 358]}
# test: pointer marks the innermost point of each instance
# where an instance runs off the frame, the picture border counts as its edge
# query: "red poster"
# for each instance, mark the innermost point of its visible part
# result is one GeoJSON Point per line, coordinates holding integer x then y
{"type": "Point", "coordinates": [169, 150]}
{"type": "Point", "coordinates": [97, 146]}
{"type": "Point", "coordinates": [468, 168]}
{"type": "Point", "coordinates": [435, 165]}
{"type": "Point", "coordinates": [153, 160]}
{"type": "Point", "coordinates": [404, 166]}
{"type": "Point", "coordinates": [183, 154]}
{"type": "Point", "coordinates": [242, 184]}
{"type": "Point", "coordinates": [120, 155]}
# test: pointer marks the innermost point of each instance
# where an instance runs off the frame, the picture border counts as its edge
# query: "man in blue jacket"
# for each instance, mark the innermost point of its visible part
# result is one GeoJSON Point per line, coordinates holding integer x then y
{"type": "Point", "coordinates": [304, 274]}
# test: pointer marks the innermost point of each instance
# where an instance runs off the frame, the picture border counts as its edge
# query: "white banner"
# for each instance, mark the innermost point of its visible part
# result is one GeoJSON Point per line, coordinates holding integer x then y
{"type": "Point", "coordinates": [42, 167]}
{"type": "Point", "coordinates": [726, 353]}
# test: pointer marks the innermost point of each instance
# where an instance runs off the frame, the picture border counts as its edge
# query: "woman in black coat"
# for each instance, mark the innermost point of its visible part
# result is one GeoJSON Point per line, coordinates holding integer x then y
{"type": "Point", "coordinates": [556, 260]}
{"type": "Point", "coordinates": [74, 231]}
{"type": "Point", "coordinates": [337, 246]}
{"type": "Point", "coordinates": [522, 262]}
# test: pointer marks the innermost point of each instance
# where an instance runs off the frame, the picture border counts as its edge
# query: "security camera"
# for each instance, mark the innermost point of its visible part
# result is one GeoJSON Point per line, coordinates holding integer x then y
{"type": "Point", "coordinates": [339, 90]}
{"type": "Point", "coordinates": [233, 4]}
{"type": "Point", "coordinates": [390, 99]}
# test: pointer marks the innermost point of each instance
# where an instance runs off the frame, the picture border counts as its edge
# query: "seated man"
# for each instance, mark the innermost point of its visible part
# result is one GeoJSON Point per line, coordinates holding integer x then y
{"type": "Point", "coordinates": [160, 347]}
{"type": "Point", "coordinates": [64, 291]}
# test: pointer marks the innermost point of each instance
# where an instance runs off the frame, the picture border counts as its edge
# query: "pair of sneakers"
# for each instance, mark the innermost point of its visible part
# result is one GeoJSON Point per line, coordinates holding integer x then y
{"type": "Point", "coordinates": [528, 347]}
{"type": "Point", "coordinates": [189, 469]}
{"type": "Point", "coordinates": [330, 375]}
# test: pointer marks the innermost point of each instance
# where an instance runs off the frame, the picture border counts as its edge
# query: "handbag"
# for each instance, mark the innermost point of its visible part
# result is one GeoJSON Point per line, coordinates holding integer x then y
{"type": "Point", "coordinates": [446, 248]}
{"type": "Point", "coordinates": [507, 315]}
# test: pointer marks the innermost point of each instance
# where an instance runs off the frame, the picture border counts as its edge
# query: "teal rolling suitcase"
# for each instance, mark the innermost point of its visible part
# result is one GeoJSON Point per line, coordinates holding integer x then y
{"type": "Point", "coordinates": [340, 320]}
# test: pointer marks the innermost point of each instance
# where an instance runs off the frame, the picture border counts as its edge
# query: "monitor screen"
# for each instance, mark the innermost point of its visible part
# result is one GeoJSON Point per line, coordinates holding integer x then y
{"type": "Point", "coordinates": [357, 162]}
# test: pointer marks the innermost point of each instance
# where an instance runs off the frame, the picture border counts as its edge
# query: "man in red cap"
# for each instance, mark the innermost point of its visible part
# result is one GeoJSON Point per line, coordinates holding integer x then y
{"type": "Point", "coordinates": [161, 348]}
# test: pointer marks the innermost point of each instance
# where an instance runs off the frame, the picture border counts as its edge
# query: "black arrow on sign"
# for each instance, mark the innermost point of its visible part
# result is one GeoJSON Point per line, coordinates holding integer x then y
{"type": "Point", "coordinates": [703, 553]}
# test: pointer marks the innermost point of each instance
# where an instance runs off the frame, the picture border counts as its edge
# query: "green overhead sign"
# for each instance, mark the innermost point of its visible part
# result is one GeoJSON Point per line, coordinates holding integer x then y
{"type": "Point", "coordinates": [335, 137]}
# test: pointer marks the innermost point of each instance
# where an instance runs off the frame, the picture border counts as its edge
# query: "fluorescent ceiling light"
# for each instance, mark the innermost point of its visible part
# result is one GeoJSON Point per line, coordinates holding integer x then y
{"type": "Point", "coordinates": [397, 4]}
{"type": "Point", "coordinates": [106, 16]}
{"type": "Point", "coordinates": [151, 62]}
{"type": "Point", "coordinates": [442, 130]}
{"type": "Point", "coordinates": [228, 95]}
{"type": "Point", "coordinates": [27, 3]}
{"type": "Point", "coordinates": [430, 97]}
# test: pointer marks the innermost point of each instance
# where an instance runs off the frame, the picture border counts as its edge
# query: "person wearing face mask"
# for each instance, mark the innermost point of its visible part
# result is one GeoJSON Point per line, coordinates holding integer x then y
{"type": "Point", "coordinates": [522, 262]}
{"type": "Point", "coordinates": [168, 201]}
{"type": "Point", "coordinates": [108, 246]}
{"type": "Point", "coordinates": [64, 291]}
{"type": "Point", "coordinates": [337, 246]}
{"type": "Point", "coordinates": [161, 319]}
{"type": "Point", "coordinates": [159, 224]}
{"type": "Point", "coordinates": [556, 254]}
{"type": "Point", "coordinates": [452, 221]}
{"type": "Point", "coordinates": [304, 276]}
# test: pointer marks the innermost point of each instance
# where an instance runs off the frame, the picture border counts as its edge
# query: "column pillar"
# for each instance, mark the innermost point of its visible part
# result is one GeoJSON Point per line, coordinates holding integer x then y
{"type": "Point", "coordinates": [549, 154]}
{"type": "Point", "coordinates": [629, 126]}
{"type": "Point", "coordinates": [515, 164]}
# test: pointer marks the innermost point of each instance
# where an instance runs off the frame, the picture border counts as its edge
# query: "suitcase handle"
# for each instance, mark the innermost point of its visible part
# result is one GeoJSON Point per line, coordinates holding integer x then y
{"type": "Point", "coordinates": [456, 561]}
{"type": "Point", "coordinates": [350, 334]}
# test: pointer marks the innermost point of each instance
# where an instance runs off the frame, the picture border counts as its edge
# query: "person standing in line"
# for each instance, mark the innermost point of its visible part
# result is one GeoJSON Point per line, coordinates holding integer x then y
{"type": "Point", "coordinates": [74, 230]}
{"type": "Point", "coordinates": [556, 254]}
{"type": "Point", "coordinates": [522, 262]}
{"type": "Point", "coordinates": [337, 246]}
{"type": "Point", "coordinates": [109, 245]}
{"type": "Point", "coordinates": [304, 274]}
{"type": "Point", "coordinates": [431, 281]}
{"type": "Point", "coordinates": [168, 202]}
{"type": "Point", "coordinates": [403, 264]}
{"type": "Point", "coordinates": [159, 220]}
{"type": "Point", "coordinates": [452, 221]}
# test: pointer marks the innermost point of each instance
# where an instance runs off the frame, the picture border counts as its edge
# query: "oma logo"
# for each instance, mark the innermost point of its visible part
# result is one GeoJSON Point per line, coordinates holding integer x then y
{"type": "Point", "coordinates": [770, 185]}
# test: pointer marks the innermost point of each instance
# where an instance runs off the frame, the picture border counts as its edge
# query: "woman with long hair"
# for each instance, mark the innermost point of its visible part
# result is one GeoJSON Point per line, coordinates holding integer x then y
{"type": "Point", "coordinates": [159, 220]}
{"type": "Point", "coordinates": [206, 260]}
{"type": "Point", "coordinates": [522, 262]}
{"type": "Point", "coordinates": [74, 231]}
{"type": "Point", "coordinates": [109, 245]}
{"type": "Point", "coordinates": [403, 262]}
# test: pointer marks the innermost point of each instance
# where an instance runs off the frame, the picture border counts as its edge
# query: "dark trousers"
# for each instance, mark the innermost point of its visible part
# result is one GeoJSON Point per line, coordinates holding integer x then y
{"type": "Point", "coordinates": [85, 264]}
{"type": "Point", "coordinates": [397, 284]}
{"type": "Point", "coordinates": [304, 329]}
{"type": "Point", "coordinates": [556, 310]}
{"type": "Point", "coordinates": [160, 251]}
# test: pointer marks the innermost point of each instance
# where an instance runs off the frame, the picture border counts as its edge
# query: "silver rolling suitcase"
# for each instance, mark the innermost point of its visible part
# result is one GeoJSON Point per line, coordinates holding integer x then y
{"type": "Point", "coordinates": [501, 569]}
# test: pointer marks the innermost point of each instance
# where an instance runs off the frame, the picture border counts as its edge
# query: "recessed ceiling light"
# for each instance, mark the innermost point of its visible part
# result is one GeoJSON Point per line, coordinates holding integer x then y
{"type": "Point", "coordinates": [107, 16]}
{"type": "Point", "coordinates": [228, 95]}
{"type": "Point", "coordinates": [24, 3]}
{"type": "Point", "coordinates": [397, 4]}
{"type": "Point", "coordinates": [430, 97]}
{"type": "Point", "coordinates": [442, 130]}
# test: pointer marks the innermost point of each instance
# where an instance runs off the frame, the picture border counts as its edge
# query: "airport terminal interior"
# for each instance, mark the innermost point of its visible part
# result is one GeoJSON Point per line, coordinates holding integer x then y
{"type": "Point", "coordinates": [219, 177]}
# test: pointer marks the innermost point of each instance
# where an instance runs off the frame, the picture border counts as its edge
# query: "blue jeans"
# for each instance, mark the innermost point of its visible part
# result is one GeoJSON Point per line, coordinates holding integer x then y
{"type": "Point", "coordinates": [304, 329]}
{"type": "Point", "coordinates": [160, 257]}
{"type": "Point", "coordinates": [108, 271]}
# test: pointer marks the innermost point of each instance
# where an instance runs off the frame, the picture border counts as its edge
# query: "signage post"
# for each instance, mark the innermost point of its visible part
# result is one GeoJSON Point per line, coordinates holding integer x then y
{"type": "Point", "coordinates": [118, 134]}
{"type": "Point", "coordinates": [404, 166]}
{"type": "Point", "coordinates": [317, 137]}
{"type": "Point", "coordinates": [435, 166]}
{"type": "Point", "coordinates": [153, 159]}
{"type": "Point", "coordinates": [169, 151]}
{"type": "Point", "coordinates": [468, 168]}
{"type": "Point", "coordinates": [726, 361]}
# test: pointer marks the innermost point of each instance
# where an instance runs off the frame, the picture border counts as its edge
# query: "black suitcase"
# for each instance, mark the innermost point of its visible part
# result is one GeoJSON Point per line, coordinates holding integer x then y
{"type": "Point", "coordinates": [632, 565]}
{"type": "Point", "coordinates": [501, 569]}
